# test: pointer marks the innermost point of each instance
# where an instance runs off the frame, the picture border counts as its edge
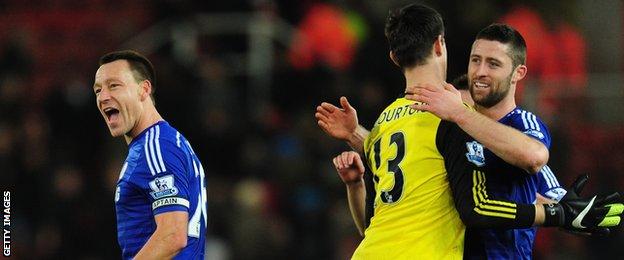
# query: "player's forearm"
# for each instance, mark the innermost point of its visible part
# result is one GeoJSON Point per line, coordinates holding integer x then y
{"type": "Point", "coordinates": [529, 215]}
{"type": "Point", "coordinates": [540, 215]}
{"type": "Point", "coordinates": [356, 140]}
{"type": "Point", "coordinates": [161, 245]}
{"type": "Point", "coordinates": [356, 195]}
{"type": "Point", "coordinates": [478, 210]}
{"type": "Point", "coordinates": [509, 144]}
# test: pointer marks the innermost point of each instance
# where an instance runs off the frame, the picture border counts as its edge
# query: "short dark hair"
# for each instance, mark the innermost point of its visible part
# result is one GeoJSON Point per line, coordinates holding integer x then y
{"type": "Point", "coordinates": [411, 32]}
{"type": "Point", "coordinates": [461, 82]}
{"type": "Point", "coordinates": [507, 35]}
{"type": "Point", "coordinates": [141, 67]}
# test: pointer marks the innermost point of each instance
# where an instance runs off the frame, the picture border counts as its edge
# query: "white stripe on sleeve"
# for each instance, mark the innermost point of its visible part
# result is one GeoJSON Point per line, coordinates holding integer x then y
{"type": "Point", "coordinates": [553, 178]}
{"type": "Point", "coordinates": [534, 119]}
{"type": "Point", "coordinates": [546, 177]}
{"type": "Point", "coordinates": [147, 155]}
{"type": "Point", "coordinates": [528, 118]}
{"type": "Point", "coordinates": [160, 159]}
{"type": "Point", "coordinates": [524, 121]}
{"type": "Point", "coordinates": [151, 150]}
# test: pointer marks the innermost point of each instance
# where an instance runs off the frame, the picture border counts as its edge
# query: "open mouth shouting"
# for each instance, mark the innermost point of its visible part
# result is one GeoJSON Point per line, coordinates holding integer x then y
{"type": "Point", "coordinates": [112, 115]}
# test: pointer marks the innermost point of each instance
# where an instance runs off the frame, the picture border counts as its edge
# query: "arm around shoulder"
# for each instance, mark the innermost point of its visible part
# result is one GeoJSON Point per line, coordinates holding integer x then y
{"type": "Point", "coordinates": [509, 144]}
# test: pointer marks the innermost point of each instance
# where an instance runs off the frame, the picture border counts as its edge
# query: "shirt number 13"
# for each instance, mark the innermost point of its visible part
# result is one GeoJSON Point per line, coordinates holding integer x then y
{"type": "Point", "coordinates": [394, 194]}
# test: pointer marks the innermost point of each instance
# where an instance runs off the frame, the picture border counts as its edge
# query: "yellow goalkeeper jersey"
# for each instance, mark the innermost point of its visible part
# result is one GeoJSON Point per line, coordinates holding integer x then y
{"type": "Point", "coordinates": [414, 215]}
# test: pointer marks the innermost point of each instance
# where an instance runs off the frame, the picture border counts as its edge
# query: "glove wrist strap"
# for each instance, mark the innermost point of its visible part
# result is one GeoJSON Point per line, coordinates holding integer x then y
{"type": "Point", "coordinates": [553, 215]}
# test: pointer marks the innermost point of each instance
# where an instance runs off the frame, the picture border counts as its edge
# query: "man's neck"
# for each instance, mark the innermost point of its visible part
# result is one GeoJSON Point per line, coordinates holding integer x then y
{"type": "Point", "coordinates": [148, 118]}
{"type": "Point", "coordinates": [428, 73]}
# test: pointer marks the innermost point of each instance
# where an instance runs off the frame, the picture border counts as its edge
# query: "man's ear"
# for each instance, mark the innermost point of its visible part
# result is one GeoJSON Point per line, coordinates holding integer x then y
{"type": "Point", "coordinates": [145, 88]}
{"type": "Point", "coordinates": [519, 73]}
{"type": "Point", "coordinates": [438, 45]}
{"type": "Point", "coordinates": [394, 58]}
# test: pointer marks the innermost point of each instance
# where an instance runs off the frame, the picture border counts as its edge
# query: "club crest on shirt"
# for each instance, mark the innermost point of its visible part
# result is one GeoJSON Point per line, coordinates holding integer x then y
{"type": "Point", "coordinates": [163, 187]}
{"type": "Point", "coordinates": [475, 153]}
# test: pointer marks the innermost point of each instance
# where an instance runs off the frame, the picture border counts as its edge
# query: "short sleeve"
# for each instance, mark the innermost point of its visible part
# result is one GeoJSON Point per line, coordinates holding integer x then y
{"type": "Point", "coordinates": [166, 182]}
{"type": "Point", "coordinates": [531, 125]}
{"type": "Point", "coordinates": [548, 185]}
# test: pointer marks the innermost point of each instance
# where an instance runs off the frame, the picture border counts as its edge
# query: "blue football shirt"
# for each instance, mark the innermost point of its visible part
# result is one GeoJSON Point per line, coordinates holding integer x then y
{"type": "Point", "coordinates": [505, 181]}
{"type": "Point", "coordinates": [161, 174]}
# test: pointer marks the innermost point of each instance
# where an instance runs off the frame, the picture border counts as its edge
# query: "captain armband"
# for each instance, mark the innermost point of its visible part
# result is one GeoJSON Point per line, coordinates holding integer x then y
{"type": "Point", "coordinates": [170, 201]}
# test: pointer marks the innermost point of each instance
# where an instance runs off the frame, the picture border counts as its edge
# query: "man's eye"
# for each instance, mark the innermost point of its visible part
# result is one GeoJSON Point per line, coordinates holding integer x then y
{"type": "Point", "coordinates": [97, 91]}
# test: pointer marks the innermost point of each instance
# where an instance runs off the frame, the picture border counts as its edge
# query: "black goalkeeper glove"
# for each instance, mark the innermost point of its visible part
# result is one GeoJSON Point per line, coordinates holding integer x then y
{"type": "Point", "coordinates": [586, 216]}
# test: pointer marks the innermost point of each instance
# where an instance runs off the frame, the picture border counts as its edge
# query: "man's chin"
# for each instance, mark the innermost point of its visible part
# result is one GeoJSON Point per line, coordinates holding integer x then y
{"type": "Point", "coordinates": [116, 132]}
{"type": "Point", "coordinates": [487, 102]}
{"type": "Point", "coordinates": [478, 99]}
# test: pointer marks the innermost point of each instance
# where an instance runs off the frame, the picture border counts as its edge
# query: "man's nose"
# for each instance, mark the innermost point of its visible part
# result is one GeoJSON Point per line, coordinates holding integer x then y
{"type": "Point", "coordinates": [482, 70]}
{"type": "Point", "coordinates": [104, 95]}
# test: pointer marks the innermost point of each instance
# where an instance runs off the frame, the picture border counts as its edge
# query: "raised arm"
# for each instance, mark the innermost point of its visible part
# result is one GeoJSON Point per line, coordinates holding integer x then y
{"type": "Point", "coordinates": [508, 143]}
{"type": "Point", "coordinates": [342, 123]}
{"type": "Point", "coordinates": [351, 171]}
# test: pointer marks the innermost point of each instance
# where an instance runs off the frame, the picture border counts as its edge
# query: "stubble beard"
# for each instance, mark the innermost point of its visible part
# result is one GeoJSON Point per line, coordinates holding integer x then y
{"type": "Point", "coordinates": [495, 96]}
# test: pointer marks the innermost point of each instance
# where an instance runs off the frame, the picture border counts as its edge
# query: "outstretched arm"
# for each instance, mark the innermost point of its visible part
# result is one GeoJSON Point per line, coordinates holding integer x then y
{"type": "Point", "coordinates": [592, 215]}
{"type": "Point", "coordinates": [506, 142]}
{"type": "Point", "coordinates": [478, 209]}
{"type": "Point", "coordinates": [351, 171]}
{"type": "Point", "coordinates": [342, 123]}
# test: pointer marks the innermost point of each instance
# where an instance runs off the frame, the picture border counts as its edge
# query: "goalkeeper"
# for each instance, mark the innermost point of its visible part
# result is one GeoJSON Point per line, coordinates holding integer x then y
{"type": "Point", "coordinates": [414, 213]}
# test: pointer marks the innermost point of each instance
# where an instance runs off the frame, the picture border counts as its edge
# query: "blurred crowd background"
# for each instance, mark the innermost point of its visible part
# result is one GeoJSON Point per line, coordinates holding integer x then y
{"type": "Point", "coordinates": [241, 79]}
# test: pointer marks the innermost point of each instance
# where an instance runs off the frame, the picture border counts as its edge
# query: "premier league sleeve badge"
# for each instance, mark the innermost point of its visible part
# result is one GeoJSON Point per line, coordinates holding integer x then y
{"type": "Point", "coordinates": [475, 153]}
